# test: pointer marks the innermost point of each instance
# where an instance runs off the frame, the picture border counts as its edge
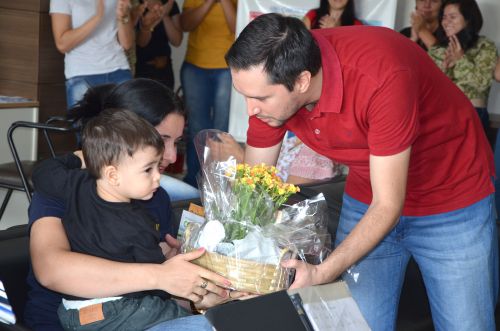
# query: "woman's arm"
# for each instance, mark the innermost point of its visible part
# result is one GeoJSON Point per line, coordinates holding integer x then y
{"type": "Point", "coordinates": [172, 24]}
{"type": "Point", "coordinates": [67, 38]}
{"type": "Point", "coordinates": [125, 24]}
{"type": "Point", "coordinates": [58, 268]}
{"type": "Point", "coordinates": [230, 14]}
{"type": "Point", "coordinates": [192, 17]}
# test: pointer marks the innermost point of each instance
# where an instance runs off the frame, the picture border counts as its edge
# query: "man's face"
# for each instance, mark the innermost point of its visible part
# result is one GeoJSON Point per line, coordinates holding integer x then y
{"type": "Point", "coordinates": [271, 103]}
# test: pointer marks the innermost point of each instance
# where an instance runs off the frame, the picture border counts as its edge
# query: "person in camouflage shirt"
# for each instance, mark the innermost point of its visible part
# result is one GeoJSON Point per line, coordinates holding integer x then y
{"type": "Point", "coordinates": [465, 56]}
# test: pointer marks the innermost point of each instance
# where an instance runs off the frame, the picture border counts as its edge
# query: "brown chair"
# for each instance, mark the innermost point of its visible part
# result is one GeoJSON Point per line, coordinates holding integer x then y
{"type": "Point", "coordinates": [16, 176]}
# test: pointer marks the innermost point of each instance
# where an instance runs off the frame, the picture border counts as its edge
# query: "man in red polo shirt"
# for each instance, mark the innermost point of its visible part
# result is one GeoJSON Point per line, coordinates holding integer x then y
{"type": "Point", "coordinates": [420, 167]}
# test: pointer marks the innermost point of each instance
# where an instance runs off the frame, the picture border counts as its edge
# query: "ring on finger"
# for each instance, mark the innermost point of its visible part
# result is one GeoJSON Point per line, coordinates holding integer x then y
{"type": "Point", "coordinates": [204, 284]}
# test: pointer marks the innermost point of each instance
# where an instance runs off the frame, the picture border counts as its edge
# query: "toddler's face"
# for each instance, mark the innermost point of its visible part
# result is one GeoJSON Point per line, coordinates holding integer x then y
{"type": "Point", "coordinates": [139, 174]}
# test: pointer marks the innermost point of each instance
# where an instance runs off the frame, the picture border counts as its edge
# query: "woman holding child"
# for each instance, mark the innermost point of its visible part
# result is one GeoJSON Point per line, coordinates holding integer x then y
{"type": "Point", "coordinates": [59, 269]}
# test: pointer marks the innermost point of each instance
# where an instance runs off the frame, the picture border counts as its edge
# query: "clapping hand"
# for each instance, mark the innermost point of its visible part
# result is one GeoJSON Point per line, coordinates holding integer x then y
{"type": "Point", "coordinates": [329, 21]}
{"type": "Point", "coordinates": [167, 7]}
{"type": "Point", "coordinates": [123, 8]}
{"type": "Point", "coordinates": [417, 23]}
{"type": "Point", "coordinates": [152, 16]}
{"type": "Point", "coordinates": [453, 53]}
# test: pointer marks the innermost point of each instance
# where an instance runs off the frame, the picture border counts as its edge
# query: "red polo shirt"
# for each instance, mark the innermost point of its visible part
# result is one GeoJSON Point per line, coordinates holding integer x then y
{"type": "Point", "coordinates": [381, 94]}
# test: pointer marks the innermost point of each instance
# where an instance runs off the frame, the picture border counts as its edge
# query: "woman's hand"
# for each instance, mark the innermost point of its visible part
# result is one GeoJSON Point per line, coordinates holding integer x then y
{"type": "Point", "coordinates": [453, 53]}
{"type": "Point", "coordinates": [417, 24]}
{"type": "Point", "coordinates": [123, 8]}
{"type": "Point", "coordinates": [329, 21]}
{"type": "Point", "coordinates": [186, 280]}
{"type": "Point", "coordinates": [210, 300]}
{"type": "Point", "coordinates": [167, 7]}
{"type": "Point", "coordinates": [152, 17]}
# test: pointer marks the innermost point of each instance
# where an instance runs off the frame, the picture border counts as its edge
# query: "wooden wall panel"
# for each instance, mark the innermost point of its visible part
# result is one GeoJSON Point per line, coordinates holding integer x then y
{"type": "Point", "coordinates": [51, 62]}
{"type": "Point", "coordinates": [19, 45]}
{"type": "Point", "coordinates": [27, 5]}
{"type": "Point", "coordinates": [19, 89]}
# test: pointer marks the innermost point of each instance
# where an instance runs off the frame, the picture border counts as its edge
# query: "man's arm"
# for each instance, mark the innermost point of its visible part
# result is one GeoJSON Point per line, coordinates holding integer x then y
{"type": "Point", "coordinates": [61, 270]}
{"type": "Point", "coordinates": [268, 155]}
{"type": "Point", "coordinates": [388, 176]}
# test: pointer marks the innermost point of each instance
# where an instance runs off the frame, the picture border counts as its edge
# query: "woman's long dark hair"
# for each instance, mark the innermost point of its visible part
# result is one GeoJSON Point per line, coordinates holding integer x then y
{"type": "Point", "coordinates": [147, 98]}
{"type": "Point", "coordinates": [469, 35]}
{"type": "Point", "coordinates": [347, 17]}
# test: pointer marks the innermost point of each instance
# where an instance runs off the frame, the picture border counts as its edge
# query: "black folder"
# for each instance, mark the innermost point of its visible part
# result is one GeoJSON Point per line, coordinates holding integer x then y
{"type": "Point", "coordinates": [271, 312]}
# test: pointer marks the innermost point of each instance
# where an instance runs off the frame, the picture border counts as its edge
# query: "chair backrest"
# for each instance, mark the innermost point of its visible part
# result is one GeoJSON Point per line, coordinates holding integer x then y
{"type": "Point", "coordinates": [46, 128]}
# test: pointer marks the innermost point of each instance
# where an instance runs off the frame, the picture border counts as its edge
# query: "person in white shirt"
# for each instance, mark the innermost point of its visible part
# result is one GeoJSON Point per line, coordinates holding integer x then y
{"type": "Point", "coordinates": [93, 35]}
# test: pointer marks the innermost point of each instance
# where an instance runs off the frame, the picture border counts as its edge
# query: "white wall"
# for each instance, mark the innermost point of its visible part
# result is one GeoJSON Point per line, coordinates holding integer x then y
{"type": "Point", "coordinates": [491, 28]}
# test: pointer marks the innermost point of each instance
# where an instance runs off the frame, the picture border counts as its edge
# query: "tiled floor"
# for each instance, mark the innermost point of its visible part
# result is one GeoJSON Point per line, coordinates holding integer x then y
{"type": "Point", "coordinates": [17, 210]}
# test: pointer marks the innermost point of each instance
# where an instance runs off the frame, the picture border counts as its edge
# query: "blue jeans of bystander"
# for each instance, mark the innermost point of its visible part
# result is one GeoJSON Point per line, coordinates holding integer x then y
{"type": "Point", "coordinates": [207, 95]}
{"type": "Point", "coordinates": [78, 85]}
{"type": "Point", "coordinates": [457, 253]}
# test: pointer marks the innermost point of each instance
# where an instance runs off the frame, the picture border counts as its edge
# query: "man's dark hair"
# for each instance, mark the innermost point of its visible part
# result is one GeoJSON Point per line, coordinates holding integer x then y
{"type": "Point", "coordinates": [469, 35]}
{"type": "Point", "coordinates": [113, 134]}
{"type": "Point", "coordinates": [282, 44]}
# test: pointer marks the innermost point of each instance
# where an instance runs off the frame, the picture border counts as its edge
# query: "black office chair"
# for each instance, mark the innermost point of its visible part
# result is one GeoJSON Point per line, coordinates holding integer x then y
{"type": "Point", "coordinates": [16, 176]}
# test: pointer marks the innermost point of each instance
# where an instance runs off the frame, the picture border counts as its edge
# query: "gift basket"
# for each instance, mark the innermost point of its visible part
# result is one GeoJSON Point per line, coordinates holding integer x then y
{"type": "Point", "coordinates": [248, 230]}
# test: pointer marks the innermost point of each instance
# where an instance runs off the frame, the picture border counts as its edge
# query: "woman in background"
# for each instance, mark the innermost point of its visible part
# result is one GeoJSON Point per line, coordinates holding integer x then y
{"type": "Point", "coordinates": [158, 27]}
{"type": "Point", "coordinates": [424, 23]}
{"type": "Point", "coordinates": [467, 58]}
{"type": "Point", "coordinates": [330, 14]}
{"type": "Point", "coordinates": [206, 80]}
{"type": "Point", "coordinates": [93, 36]}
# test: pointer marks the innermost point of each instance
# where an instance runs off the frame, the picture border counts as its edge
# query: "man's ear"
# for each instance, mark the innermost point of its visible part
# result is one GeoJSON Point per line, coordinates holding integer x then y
{"type": "Point", "coordinates": [303, 81]}
{"type": "Point", "coordinates": [110, 175]}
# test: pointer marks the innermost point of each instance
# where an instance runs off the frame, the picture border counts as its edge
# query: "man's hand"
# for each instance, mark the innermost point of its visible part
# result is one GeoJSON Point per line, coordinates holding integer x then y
{"type": "Point", "coordinates": [305, 274]}
{"type": "Point", "coordinates": [224, 147]}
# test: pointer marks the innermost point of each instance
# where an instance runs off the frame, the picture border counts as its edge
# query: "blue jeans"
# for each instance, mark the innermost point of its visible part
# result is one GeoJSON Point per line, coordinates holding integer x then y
{"type": "Point", "coordinates": [78, 85]}
{"type": "Point", "coordinates": [177, 189]}
{"type": "Point", "coordinates": [497, 171]}
{"type": "Point", "coordinates": [190, 323]}
{"type": "Point", "coordinates": [457, 253]}
{"type": "Point", "coordinates": [207, 94]}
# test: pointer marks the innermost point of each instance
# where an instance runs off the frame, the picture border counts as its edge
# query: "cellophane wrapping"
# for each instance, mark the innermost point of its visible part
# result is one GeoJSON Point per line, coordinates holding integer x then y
{"type": "Point", "coordinates": [248, 230]}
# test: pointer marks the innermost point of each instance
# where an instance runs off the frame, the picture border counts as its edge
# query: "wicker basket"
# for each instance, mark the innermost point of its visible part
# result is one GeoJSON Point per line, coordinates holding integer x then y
{"type": "Point", "coordinates": [246, 275]}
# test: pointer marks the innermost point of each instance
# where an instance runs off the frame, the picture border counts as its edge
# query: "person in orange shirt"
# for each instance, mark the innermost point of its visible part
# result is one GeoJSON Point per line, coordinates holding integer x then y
{"type": "Point", "coordinates": [205, 77]}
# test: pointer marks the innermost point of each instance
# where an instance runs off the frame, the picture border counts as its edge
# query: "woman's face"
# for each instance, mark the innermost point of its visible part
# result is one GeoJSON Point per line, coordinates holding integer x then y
{"type": "Point", "coordinates": [170, 129]}
{"type": "Point", "coordinates": [338, 4]}
{"type": "Point", "coordinates": [453, 21]}
{"type": "Point", "coordinates": [429, 9]}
